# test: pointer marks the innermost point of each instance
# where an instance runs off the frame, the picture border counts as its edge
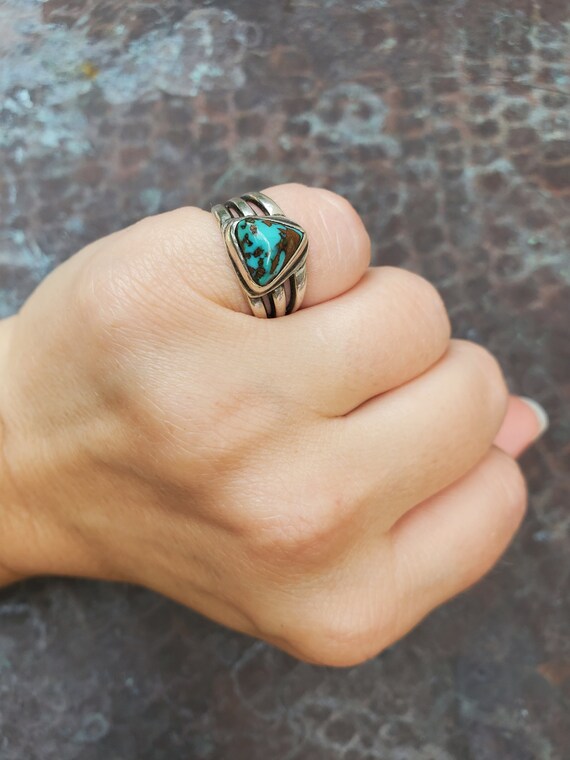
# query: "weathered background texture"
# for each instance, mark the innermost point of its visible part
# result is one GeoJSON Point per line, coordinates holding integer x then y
{"type": "Point", "coordinates": [447, 124]}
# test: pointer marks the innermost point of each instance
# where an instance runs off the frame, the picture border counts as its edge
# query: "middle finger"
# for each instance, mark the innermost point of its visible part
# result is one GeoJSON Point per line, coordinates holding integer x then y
{"type": "Point", "coordinates": [416, 440]}
{"type": "Point", "coordinates": [388, 329]}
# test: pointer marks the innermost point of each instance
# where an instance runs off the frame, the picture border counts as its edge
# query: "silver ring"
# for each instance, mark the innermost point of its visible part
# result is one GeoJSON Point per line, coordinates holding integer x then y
{"type": "Point", "coordinates": [268, 252]}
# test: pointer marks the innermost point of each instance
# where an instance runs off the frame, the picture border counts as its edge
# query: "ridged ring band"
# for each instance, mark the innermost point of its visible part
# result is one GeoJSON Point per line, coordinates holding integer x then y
{"type": "Point", "coordinates": [268, 252]}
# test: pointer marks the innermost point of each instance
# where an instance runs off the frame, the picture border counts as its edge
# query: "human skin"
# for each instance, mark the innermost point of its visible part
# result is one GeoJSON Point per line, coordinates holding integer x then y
{"type": "Point", "coordinates": [321, 481]}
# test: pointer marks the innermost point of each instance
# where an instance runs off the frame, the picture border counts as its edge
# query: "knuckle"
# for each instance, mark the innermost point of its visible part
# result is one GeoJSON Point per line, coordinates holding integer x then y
{"type": "Point", "coordinates": [510, 483]}
{"type": "Point", "coordinates": [426, 299]}
{"type": "Point", "coordinates": [339, 634]}
{"type": "Point", "coordinates": [114, 301]}
{"type": "Point", "coordinates": [487, 377]}
{"type": "Point", "coordinates": [296, 188]}
{"type": "Point", "coordinates": [345, 211]}
{"type": "Point", "coordinates": [171, 261]}
{"type": "Point", "coordinates": [312, 528]}
{"type": "Point", "coordinates": [303, 535]}
{"type": "Point", "coordinates": [125, 285]}
{"type": "Point", "coordinates": [341, 204]}
{"type": "Point", "coordinates": [101, 299]}
{"type": "Point", "coordinates": [431, 302]}
{"type": "Point", "coordinates": [167, 232]}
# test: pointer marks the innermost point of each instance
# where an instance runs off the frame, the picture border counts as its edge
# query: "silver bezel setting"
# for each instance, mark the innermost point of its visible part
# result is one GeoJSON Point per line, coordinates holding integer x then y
{"type": "Point", "coordinates": [284, 295]}
{"type": "Point", "coordinates": [253, 288]}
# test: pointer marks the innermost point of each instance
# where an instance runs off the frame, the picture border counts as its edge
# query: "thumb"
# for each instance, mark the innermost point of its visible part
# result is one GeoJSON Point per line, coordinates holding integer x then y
{"type": "Point", "coordinates": [525, 421]}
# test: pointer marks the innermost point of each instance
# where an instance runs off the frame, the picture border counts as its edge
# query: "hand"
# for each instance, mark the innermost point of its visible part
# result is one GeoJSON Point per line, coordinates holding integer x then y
{"type": "Point", "coordinates": [321, 480]}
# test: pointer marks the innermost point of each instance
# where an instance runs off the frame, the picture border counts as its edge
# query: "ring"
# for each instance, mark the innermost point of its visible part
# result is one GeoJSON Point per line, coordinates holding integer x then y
{"type": "Point", "coordinates": [268, 252]}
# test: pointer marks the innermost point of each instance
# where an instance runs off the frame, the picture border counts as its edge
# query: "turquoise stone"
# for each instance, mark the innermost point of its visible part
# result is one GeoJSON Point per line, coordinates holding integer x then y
{"type": "Point", "coordinates": [267, 246]}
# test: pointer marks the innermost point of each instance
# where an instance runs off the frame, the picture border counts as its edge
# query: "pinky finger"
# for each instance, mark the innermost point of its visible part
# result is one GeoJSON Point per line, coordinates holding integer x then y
{"type": "Point", "coordinates": [450, 541]}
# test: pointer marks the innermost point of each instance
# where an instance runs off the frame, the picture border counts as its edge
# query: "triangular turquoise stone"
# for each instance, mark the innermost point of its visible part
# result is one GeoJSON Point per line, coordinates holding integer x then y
{"type": "Point", "coordinates": [267, 246]}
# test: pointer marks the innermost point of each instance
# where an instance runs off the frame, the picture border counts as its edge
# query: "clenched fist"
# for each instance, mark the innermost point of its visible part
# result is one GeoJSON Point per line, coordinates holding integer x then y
{"type": "Point", "coordinates": [321, 480]}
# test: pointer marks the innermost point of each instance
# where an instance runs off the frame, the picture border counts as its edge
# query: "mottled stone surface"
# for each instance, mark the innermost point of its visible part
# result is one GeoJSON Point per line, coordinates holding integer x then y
{"type": "Point", "coordinates": [447, 123]}
{"type": "Point", "coordinates": [267, 247]}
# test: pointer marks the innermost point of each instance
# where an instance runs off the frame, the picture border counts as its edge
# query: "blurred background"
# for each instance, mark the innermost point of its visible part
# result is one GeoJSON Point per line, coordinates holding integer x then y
{"type": "Point", "coordinates": [447, 124]}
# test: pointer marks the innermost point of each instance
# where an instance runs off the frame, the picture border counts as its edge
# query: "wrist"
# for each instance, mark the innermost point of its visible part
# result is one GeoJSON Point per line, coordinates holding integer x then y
{"type": "Point", "coordinates": [31, 540]}
{"type": "Point", "coordinates": [8, 499]}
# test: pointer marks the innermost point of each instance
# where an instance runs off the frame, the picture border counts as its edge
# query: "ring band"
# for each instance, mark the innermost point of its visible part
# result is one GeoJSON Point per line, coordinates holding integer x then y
{"type": "Point", "coordinates": [268, 252]}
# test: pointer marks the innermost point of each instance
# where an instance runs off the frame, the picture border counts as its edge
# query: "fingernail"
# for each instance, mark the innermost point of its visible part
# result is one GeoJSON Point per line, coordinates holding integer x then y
{"type": "Point", "coordinates": [540, 414]}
